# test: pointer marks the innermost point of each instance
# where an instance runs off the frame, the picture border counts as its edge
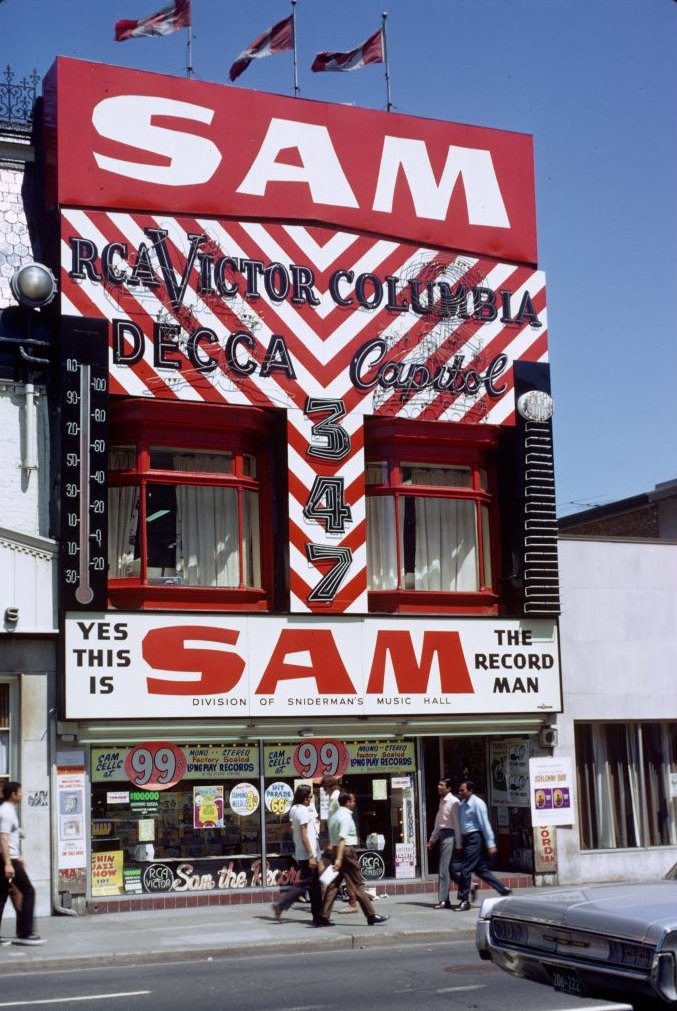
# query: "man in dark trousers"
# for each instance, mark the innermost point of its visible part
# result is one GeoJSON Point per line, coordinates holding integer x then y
{"type": "Point", "coordinates": [479, 845]}
{"type": "Point", "coordinates": [14, 871]}
{"type": "Point", "coordinates": [343, 837]}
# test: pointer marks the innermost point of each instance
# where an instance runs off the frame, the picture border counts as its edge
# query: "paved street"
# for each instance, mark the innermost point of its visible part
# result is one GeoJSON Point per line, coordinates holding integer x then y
{"type": "Point", "coordinates": [442, 975]}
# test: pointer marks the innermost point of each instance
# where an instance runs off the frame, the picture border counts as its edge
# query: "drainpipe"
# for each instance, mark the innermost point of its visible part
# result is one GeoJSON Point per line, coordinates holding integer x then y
{"type": "Point", "coordinates": [29, 457]}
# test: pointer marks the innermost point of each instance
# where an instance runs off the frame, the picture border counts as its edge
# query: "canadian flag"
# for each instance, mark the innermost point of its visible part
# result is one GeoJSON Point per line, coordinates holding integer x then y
{"type": "Point", "coordinates": [274, 40]}
{"type": "Point", "coordinates": [370, 51]}
{"type": "Point", "coordinates": [166, 21]}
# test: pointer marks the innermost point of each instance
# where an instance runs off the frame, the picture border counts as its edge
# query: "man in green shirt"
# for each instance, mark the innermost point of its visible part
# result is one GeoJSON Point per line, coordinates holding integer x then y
{"type": "Point", "coordinates": [343, 838]}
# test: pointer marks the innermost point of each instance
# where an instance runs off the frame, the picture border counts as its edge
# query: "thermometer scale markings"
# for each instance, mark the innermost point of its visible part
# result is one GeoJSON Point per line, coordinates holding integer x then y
{"type": "Point", "coordinates": [84, 594]}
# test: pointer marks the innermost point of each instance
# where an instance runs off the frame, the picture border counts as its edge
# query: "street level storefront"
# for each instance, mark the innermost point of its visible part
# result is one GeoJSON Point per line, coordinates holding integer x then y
{"type": "Point", "coordinates": [172, 811]}
{"type": "Point", "coordinates": [224, 826]}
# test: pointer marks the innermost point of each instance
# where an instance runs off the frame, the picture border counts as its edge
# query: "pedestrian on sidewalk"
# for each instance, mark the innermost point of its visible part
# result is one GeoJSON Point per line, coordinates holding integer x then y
{"type": "Point", "coordinates": [446, 831]}
{"type": "Point", "coordinates": [333, 786]}
{"type": "Point", "coordinates": [479, 846]}
{"type": "Point", "coordinates": [14, 869]}
{"type": "Point", "coordinates": [343, 837]}
{"type": "Point", "coordinates": [303, 818]}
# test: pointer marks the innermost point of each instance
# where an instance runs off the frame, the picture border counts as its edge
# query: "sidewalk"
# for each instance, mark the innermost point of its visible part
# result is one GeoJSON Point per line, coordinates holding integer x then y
{"type": "Point", "coordinates": [228, 931]}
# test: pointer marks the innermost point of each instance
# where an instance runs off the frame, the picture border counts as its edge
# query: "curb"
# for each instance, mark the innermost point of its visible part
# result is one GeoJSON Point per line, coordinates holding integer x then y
{"type": "Point", "coordinates": [330, 941]}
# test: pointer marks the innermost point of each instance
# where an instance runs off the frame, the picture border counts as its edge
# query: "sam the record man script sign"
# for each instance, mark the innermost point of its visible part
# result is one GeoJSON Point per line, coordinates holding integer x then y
{"type": "Point", "coordinates": [250, 249]}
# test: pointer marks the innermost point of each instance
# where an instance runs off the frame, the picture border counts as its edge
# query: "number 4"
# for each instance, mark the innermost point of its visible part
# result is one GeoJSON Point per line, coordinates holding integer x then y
{"type": "Point", "coordinates": [327, 505]}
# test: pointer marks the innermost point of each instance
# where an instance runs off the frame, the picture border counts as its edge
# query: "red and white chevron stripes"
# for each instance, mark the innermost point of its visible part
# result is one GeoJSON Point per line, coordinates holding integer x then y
{"type": "Point", "coordinates": [241, 338]}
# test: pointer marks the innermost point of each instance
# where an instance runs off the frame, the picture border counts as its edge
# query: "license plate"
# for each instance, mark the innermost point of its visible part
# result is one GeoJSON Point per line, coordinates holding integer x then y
{"type": "Point", "coordinates": [566, 981]}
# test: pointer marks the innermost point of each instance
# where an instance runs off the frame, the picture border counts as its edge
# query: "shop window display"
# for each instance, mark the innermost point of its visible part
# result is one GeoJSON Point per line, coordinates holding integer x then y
{"type": "Point", "coordinates": [382, 776]}
{"type": "Point", "coordinates": [224, 824]}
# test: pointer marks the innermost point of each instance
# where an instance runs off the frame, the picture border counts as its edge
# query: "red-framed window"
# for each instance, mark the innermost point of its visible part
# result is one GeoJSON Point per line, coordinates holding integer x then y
{"type": "Point", "coordinates": [189, 506]}
{"type": "Point", "coordinates": [432, 528]}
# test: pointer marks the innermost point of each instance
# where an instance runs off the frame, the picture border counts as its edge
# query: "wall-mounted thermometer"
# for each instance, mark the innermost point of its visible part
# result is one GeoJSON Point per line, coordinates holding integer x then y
{"type": "Point", "coordinates": [84, 462]}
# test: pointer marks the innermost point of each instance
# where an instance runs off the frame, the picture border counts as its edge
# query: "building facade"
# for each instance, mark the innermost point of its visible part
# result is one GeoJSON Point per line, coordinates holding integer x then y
{"type": "Point", "coordinates": [28, 547]}
{"type": "Point", "coordinates": [301, 452]}
{"type": "Point", "coordinates": [618, 569]}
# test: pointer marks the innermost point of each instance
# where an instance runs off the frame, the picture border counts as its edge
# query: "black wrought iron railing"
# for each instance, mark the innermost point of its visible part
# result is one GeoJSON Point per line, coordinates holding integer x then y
{"type": "Point", "coordinates": [17, 98]}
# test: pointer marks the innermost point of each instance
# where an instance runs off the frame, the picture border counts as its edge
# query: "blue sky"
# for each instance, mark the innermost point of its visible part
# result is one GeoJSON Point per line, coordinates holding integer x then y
{"type": "Point", "coordinates": [594, 81]}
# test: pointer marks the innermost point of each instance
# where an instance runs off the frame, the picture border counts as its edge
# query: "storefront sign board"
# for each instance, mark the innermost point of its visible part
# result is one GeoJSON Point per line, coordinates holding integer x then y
{"type": "Point", "coordinates": [164, 666]}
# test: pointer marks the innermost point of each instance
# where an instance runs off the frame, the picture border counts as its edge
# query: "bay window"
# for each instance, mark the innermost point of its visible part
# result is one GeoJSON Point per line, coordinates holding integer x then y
{"type": "Point", "coordinates": [429, 517]}
{"type": "Point", "coordinates": [186, 508]}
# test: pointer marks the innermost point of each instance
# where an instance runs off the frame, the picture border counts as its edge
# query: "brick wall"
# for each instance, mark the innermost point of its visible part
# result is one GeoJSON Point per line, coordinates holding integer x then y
{"type": "Point", "coordinates": [640, 523]}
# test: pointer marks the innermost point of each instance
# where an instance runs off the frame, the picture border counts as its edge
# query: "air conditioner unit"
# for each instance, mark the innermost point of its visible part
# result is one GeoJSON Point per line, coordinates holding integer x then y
{"type": "Point", "coordinates": [548, 737]}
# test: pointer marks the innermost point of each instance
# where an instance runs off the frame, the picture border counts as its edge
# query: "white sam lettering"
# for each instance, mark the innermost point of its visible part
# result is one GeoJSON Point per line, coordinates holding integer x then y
{"type": "Point", "coordinates": [192, 160]}
{"type": "Point", "coordinates": [129, 120]}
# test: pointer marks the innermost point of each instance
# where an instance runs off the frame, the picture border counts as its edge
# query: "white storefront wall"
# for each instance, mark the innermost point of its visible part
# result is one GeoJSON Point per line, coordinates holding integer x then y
{"type": "Point", "coordinates": [618, 634]}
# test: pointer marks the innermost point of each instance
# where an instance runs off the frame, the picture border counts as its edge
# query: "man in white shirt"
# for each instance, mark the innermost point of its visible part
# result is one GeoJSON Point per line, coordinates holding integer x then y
{"type": "Point", "coordinates": [303, 818]}
{"type": "Point", "coordinates": [446, 830]}
{"type": "Point", "coordinates": [14, 871]}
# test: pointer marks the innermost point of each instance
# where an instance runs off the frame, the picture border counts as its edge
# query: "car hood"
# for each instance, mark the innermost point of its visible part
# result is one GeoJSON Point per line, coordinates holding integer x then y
{"type": "Point", "coordinates": [642, 911]}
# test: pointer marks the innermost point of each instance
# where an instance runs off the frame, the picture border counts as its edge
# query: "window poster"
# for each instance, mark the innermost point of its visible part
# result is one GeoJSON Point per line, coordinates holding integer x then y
{"type": "Point", "coordinates": [498, 758]}
{"type": "Point", "coordinates": [405, 860]}
{"type": "Point", "coordinates": [208, 806]}
{"type": "Point", "coordinates": [244, 799]}
{"type": "Point", "coordinates": [72, 851]}
{"type": "Point", "coordinates": [107, 876]}
{"type": "Point", "coordinates": [379, 789]}
{"type": "Point", "coordinates": [509, 761]}
{"type": "Point", "coordinates": [552, 791]}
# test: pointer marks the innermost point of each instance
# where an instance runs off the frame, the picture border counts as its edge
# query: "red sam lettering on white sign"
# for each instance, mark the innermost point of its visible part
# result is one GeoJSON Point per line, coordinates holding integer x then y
{"type": "Point", "coordinates": [127, 139]}
{"type": "Point", "coordinates": [256, 666]}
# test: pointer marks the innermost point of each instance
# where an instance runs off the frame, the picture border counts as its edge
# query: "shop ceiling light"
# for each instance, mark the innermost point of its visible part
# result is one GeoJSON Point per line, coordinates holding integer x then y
{"type": "Point", "coordinates": [33, 285]}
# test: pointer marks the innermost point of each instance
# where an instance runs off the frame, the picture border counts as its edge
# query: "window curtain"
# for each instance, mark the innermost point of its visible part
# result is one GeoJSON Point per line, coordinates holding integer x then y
{"type": "Point", "coordinates": [446, 545]}
{"type": "Point", "coordinates": [438, 539]}
{"type": "Point", "coordinates": [657, 747]}
{"type": "Point", "coordinates": [619, 778]}
{"type": "Point", "coordinates": [603, 793]}
{"type": "Point", "coordinates": [617, 797]}
{"type": "Point", "coordinates": [207, 549]}
{"type": "Point", "coordinates": [251, 562]}
{"type": "Point", "coordinates": [381, 543]}
{"type": "Point", "coordinates": [123, 518]}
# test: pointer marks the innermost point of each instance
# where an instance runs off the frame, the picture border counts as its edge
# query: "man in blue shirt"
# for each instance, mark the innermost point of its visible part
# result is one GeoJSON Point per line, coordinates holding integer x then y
{"type": "Point", "coordinates": [479, 844]}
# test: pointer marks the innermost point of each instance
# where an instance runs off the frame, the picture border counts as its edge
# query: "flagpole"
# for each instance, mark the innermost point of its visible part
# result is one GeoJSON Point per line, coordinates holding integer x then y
{"type": "Point", "coordinates": [384, 15]}
{"type": "Point", "coordinates": [189, 53]}
{"type": "Point", "coordinates": [296, 67]}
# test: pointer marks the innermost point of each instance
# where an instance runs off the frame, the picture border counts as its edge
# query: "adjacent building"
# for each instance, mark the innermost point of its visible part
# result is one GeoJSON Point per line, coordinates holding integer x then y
{"type": "Point", "coordinates": [619, 648]}
{"type": "Point", "coordinates": [28, 546]}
